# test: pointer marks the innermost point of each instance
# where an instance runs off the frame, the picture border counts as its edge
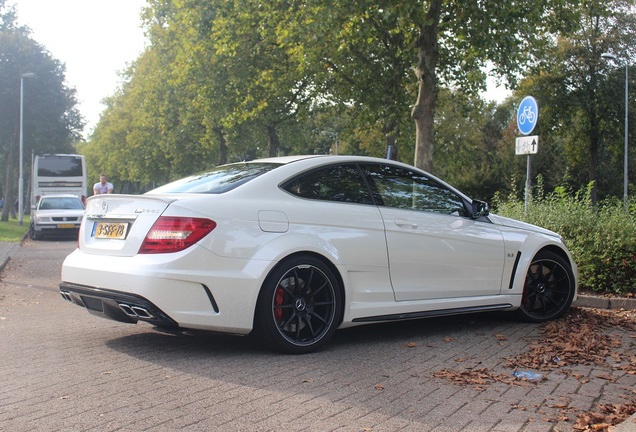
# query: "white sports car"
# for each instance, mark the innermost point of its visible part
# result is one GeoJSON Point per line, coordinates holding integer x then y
{"type": "Point", "coordinates": [296, 247]}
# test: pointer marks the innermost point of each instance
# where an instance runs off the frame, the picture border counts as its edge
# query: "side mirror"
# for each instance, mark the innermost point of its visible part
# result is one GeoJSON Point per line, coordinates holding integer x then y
{"type": "Point", "coordinates": [478, 209]}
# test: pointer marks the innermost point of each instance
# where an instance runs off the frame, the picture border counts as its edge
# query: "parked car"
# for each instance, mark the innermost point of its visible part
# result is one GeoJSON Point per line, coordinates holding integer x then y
{"type": "Point", "coordinates": [294, 248]}
{"type": "Point", "coordinates": [56, 215]}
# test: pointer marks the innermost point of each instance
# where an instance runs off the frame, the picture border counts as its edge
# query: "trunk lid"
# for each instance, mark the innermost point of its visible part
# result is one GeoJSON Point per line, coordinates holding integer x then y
{"type": "Point", "coordinates": [117, 224]}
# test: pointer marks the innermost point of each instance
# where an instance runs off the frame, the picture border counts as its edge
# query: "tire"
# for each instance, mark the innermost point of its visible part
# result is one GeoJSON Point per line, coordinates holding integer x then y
{"type": "Point", "coordinates": [299, 306]}
{"type": "Point", "coordinates": [548, 290]}
{"type": "Point", "coordinates": [32, 234]}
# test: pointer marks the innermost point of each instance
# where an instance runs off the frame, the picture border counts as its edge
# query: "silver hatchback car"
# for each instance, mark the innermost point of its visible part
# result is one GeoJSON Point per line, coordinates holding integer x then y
{"type": "Point", "coordinates": [56, 215]}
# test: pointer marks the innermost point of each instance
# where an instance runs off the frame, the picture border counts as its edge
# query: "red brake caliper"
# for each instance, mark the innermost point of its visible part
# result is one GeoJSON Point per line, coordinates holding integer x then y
{"type": "Point", "coordinates": [278, 301]}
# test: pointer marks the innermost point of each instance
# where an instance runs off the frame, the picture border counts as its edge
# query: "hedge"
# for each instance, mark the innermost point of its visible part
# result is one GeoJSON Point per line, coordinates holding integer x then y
{"type": "Point", "coordinates": [601, 238]}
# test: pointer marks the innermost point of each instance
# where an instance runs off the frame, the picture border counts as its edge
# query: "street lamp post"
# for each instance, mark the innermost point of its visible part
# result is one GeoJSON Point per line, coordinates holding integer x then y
{"type": "Point", "coordinates": [21, 168]}
{"type": "Point", "coordinates": [625, 163]}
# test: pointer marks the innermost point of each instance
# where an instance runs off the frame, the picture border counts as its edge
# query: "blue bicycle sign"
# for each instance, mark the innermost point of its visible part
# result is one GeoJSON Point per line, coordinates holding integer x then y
{"type": "Point", "coordinates": [527, 115]}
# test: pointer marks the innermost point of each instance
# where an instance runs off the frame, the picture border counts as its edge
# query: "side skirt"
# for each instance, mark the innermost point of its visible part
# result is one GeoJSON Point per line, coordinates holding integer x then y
{"type": "Point", "coordinates": [433, 313]}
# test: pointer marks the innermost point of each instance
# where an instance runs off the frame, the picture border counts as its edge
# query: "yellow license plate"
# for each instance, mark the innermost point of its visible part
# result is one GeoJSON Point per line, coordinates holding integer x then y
{"type": "Point", "coordinates": [66, 226]}
{"type": "Point", "coordinates": [110, 230]}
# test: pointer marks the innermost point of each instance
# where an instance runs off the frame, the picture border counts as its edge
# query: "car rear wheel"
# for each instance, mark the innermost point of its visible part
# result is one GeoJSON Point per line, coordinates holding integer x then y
{"type": "Point", "coordinates": [299, 307]}
{"type": "Point", "coordinates": [549, 288]}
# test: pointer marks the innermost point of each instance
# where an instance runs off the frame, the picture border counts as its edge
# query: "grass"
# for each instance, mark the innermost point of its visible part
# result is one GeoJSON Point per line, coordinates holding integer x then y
{"type": "Point", "coordinates": [11, 231]}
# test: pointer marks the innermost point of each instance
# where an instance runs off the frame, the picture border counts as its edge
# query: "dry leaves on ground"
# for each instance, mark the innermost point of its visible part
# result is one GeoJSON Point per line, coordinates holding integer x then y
{"type": "Point", "coordinates": [583, 336]}
{"type": "Point", "coordinates": [479, 378]}
{"type": "Point", "coordinates": [609, 415]}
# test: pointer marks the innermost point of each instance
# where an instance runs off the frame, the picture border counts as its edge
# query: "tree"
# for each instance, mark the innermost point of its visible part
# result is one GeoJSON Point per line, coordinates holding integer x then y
{"type": "Point", "coordinates": [457, 40]}
{"type": "Point", "coordinates": [582, 95]}
{"type": "Point", "coordinates": [265, 70]}
{"type": "Point", "coordinates": [51, 121]}
{"type": "Point", "coordinates": [367, 48]}
{"type": "Point", "coordinates": [473, 150]}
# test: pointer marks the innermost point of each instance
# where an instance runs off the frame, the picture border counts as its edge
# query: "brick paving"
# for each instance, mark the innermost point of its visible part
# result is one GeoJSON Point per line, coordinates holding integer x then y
{"type": "Point", "coordinates": [62, 369]}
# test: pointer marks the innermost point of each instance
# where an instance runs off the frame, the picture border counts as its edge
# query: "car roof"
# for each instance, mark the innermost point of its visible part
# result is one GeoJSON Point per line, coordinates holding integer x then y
{"type": "Point", "coordinates": [284, 159]}
{"type": "Point", "coordinates": [60, 196]}
{"type": "Point", "coordinates": [324, 159]}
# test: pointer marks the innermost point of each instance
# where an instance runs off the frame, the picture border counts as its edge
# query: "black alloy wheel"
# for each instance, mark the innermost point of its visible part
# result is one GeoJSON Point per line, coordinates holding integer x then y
{"type": "Point", "coordinates": [549, 288]}
{"type": "Point", "coordinates": [299, 307]}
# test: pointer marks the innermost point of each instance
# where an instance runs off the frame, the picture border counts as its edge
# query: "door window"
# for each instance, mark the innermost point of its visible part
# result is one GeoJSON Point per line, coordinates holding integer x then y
{"type": "Point", "coordinates": [407, 189]}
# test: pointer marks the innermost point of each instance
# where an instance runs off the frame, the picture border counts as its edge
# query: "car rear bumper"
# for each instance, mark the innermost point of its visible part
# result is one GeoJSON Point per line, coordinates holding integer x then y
{"type": "Point", "coordinates": [193, 288]}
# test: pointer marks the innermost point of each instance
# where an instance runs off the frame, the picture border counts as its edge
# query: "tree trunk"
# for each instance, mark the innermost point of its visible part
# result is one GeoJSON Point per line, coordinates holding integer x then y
{"type": "Point", "coordinates": [8, 183]}
{"type": "Point", "coordinates": [424, 109]}
{"type": "Point", "coordinates": [272, 141]}
{"type": "Point", "coordinates": [222, 146]}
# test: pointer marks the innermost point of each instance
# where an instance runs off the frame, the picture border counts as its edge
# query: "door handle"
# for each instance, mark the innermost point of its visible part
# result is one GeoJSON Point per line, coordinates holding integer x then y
{"type": "Point", "coordinates": [405, 224]}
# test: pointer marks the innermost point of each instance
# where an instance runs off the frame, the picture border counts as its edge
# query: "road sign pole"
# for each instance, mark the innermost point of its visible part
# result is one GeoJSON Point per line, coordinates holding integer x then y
{"type": "Point", "coordinates": [527, 194]}
{"type": "Point", "coordinates": [527, 117]}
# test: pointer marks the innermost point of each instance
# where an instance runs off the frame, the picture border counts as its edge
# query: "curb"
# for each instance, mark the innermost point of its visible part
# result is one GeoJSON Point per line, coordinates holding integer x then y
{"type": "Point", "coordinates": [599, 302]}
{"type": "Point", "coordinates": [6, 252]}
{"type": "Point", "coordinates": [628, 425]}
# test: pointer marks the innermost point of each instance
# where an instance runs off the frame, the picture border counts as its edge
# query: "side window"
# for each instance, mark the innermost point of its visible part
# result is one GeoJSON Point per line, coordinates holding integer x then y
{"type": "Point", "coordinates": [334, 183]}
{"type": "Point", "coordinates": [407, 189]}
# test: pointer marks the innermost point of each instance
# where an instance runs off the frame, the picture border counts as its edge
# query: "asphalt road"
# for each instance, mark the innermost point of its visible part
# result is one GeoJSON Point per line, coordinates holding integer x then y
{"type": "Point", "coordinates": [62, 369]}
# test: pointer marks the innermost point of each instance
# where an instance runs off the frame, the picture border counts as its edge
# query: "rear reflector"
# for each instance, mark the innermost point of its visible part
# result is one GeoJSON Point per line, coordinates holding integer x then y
{"type": "Point", "coordinates": [174, 234]}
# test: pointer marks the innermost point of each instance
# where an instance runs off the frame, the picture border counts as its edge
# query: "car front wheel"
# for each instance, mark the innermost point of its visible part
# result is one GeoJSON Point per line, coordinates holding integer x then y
{"type": "Point", "coordinates": [32, 234]}
{"type": "Point", "coordinates": [549, 288]}
{"type": "Point", "coordinates": [299, 306]}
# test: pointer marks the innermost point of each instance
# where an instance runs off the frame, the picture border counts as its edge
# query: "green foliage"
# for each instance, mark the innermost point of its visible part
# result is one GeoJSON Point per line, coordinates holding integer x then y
{"type": "Point", "coordinates": [12, 231]}
{"type": "Point", "coordinates": [581, 96]}
{"type": "Point", "coordinates": [51, 121]}
{"type": "Point", "coordinates": [225, 81]}
{"type": "Point", "coordinates": [471, 149]}
{"type": "Point", "coordinates": [602, 239]}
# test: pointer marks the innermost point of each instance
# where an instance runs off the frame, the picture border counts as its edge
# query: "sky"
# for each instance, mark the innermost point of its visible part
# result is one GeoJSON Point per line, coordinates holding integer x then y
{"type": "Point", "coordinates": [95, 39]}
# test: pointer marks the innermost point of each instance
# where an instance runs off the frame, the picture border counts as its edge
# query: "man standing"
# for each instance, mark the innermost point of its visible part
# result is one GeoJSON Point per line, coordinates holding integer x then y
{"type": "Point", "coordinates": [103, 186]}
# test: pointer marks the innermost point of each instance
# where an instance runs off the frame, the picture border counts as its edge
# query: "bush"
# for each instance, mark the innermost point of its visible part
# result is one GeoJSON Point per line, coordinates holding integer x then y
{"type": "Point", "coordinates": [602, 239]}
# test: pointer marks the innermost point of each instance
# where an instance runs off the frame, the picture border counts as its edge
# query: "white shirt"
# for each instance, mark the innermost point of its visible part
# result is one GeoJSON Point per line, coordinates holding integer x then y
{"type": "Point", "coordinates": [100, 188]}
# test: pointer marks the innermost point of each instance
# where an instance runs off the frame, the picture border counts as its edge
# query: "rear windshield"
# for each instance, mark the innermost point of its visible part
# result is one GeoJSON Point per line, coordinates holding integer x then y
{"type": "Point", "coordinates": [220, 179]}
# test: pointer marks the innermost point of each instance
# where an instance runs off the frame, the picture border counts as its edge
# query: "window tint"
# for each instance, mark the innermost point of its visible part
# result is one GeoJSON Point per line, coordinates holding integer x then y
{"type": "Point", "coordinates": [334, 183]}
{"type": "Point", "coordinates": [407, 189]}
{"type": "Point", "coordinates": [219, 180]}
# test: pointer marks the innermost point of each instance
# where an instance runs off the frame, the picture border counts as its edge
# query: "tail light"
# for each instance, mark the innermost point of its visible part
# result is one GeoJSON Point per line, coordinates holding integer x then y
{"type": "Point", "coordinates": [174, 234]}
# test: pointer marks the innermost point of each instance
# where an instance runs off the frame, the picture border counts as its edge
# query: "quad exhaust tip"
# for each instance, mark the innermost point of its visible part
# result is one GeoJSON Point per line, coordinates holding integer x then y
{"type": "Point", "coordinates": [135, 311]}
{"type": "Point", "coordinates": [66, 296]}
